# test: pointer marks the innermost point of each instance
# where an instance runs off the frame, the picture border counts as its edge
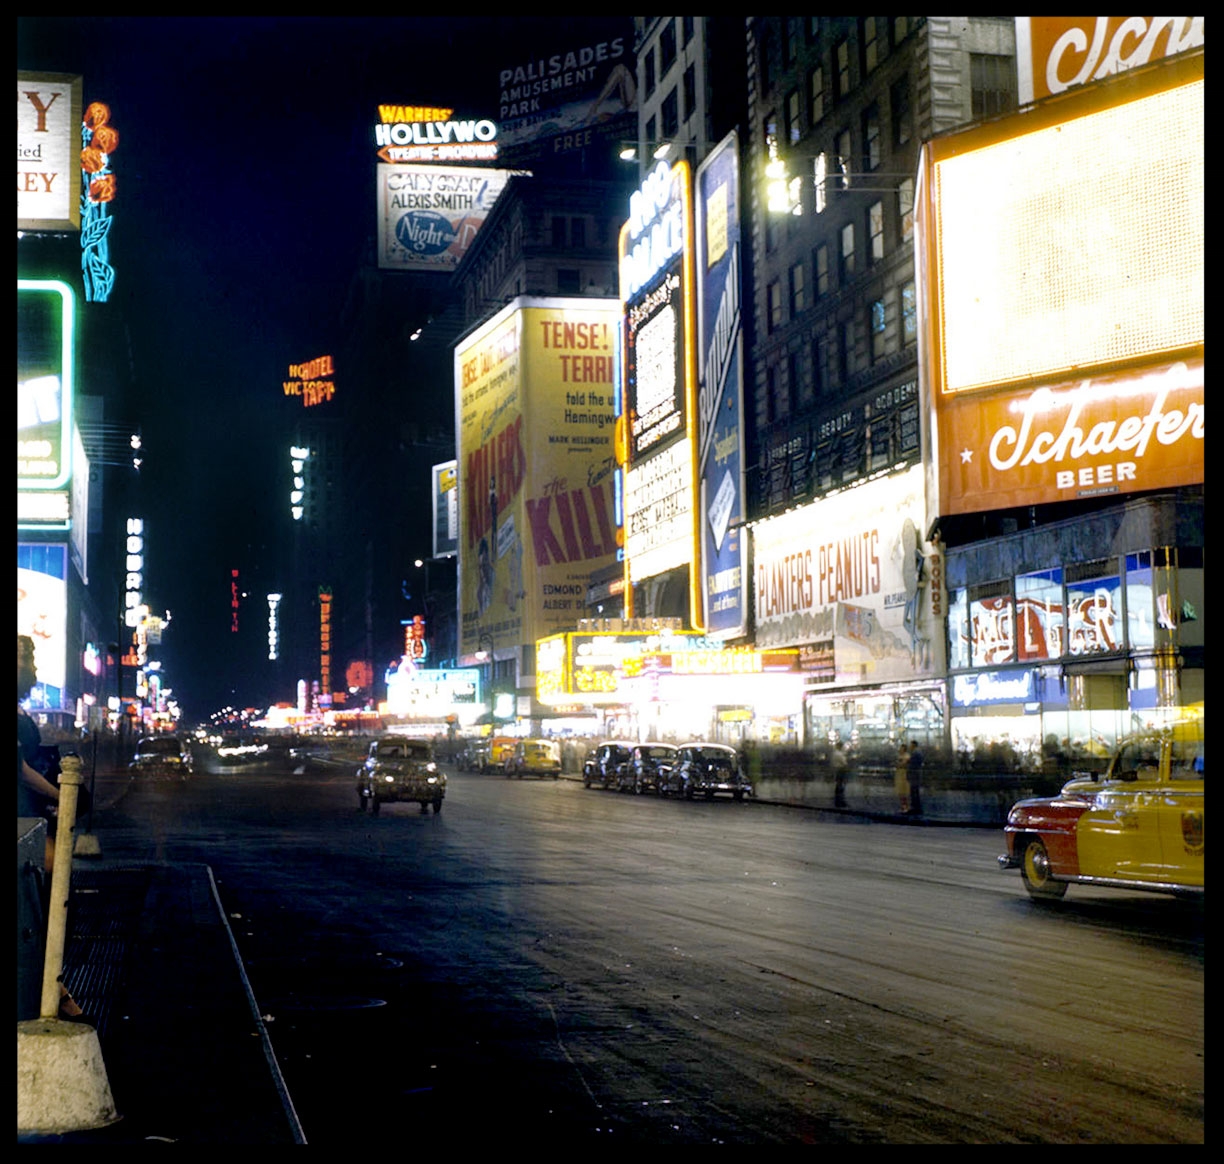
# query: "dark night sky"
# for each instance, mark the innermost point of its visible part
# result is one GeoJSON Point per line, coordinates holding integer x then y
{"type": "Point", "coordinates": [245, 175]}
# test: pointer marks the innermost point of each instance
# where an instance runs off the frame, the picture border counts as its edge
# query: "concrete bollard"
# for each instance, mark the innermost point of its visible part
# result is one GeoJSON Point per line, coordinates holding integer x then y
{"type": "Point", "coordinates": [61, 1079]}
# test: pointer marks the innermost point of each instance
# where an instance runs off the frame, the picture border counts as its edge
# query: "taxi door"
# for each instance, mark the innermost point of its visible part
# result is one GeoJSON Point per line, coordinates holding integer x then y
{"type": "Point", "coordinates": [1181, 814]}
{"type": "Point", "coordinates": [1120, 836]}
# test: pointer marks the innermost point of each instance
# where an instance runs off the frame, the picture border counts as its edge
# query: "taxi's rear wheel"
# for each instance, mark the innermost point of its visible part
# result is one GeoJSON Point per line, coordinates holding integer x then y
{"type": "Point", "coordinates": [1035, 871]}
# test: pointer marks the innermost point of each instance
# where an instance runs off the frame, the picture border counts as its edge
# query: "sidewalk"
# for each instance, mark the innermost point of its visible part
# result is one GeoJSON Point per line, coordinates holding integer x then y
{"type": "Point", "coordinates": [151, 960]}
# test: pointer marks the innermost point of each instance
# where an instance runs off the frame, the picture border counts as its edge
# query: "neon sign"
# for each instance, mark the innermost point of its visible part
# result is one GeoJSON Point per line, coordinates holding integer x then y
{"type": "Point", "coordinates": [421, 133]}
{"type": "Point", "coordinates": [99, 139]}
{"type": "Point", "coordinates": [307, 382]}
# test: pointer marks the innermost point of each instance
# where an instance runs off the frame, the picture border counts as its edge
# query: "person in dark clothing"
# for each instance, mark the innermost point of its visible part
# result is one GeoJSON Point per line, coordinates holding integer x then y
{"type": "Point", "coordinates": [839, 764]}
{"type": "Point", "coordinates": [914, 771]}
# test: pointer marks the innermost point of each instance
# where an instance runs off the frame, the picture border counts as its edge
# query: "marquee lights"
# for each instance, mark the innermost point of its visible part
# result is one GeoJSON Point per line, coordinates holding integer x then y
{"type": "Point", "coordinates": [274, 601]}
{"type": "Point", "coordinates": [297, 496]}
{"type": "Point", "coordinates": [133, 583]}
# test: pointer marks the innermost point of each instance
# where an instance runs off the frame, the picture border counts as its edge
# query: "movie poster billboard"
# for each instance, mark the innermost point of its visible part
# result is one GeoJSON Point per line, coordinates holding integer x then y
{"type": "Point", "coordinates": [42, 613]}
{"type": "Point", "coordinates": [851, 576]}
{"type": "Point", "coordinates": [429, 215]}
{"type": "Point", "coordinates": [534, 418]}
{"type": "Point", "coordinates": [48, 151]}
{"type": "Point", "coordinates": [720, 396]}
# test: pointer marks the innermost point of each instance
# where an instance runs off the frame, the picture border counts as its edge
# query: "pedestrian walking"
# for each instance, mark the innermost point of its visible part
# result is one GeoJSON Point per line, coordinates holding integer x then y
{"type": "Point", "coordinates": [914, 771]}
{"type": "Point", "coordinates": [901, 777]}
{"type": "Point", "coordinates": [840, 765]}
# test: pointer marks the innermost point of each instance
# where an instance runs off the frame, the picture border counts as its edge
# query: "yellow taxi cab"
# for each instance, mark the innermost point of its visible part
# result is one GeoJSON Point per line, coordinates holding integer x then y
{"type": "Point", "coordinates": [535, 758]}
{"type": "Point", "coordinates": [1139, 826]}
{"type": "Point", "coordinates": [501, 748]}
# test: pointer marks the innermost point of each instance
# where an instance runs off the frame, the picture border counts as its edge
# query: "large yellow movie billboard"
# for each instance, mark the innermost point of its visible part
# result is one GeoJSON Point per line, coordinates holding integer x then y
{"type": "Point", "coordinates": [533, 414]}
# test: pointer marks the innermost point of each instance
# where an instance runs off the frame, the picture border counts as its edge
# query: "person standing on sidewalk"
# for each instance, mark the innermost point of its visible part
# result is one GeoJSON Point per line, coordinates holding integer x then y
{"type": "Point", "coordinates": [840, 765]}
{"type": "Point", "coordinates": [914, 771]}
{"type": "Point", "coordinates": [901, 777]}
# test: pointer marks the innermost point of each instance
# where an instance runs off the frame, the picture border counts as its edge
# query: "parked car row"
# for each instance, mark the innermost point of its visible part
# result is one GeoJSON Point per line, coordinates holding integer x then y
{"type": "Point", "coordinates": [688, 770]}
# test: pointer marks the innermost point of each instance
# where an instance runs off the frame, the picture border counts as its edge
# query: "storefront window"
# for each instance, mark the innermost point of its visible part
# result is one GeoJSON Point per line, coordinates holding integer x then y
{"type": "Point", "coordinates": [873, 724]}
{"type": "Point", "coordinates": [992, 627]}
{"type": "Point", "coordinates": [1041, 625]}
{"type": "Point", "coordinates": [1094, 614]}
{"type": "Point", "coordinates": [1140, 627]}
{"type": "Point", "coordinates": [958, 629]}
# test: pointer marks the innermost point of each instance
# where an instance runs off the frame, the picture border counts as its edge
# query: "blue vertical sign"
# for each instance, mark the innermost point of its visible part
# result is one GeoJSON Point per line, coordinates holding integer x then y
{"type": "Point", "coordinates": [720, 365]}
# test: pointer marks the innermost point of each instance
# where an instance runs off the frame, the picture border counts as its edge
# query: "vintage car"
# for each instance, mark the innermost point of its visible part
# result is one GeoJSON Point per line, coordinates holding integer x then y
{"type": "Point", "coordinates": [604, 763]}
{"type": "Point", "coordinates": [399, 769]}
{"type": "Point", "coordinates": [161, 756]}
{"type": "Point", "coordinates": [535, 758]}
{"type": "Point", "coordinates": [703, 769]}
{"type": "Point", "coordinates": [648, 764]}
{"type": "Point", "coordinates": [1137, 826]}
{"type": "Point", "coordinates": [501, 748]}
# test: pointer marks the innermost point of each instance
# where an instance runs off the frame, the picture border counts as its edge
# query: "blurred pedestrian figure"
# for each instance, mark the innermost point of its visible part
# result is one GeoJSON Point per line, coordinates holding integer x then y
{"type": "Point", "coordinates": [839, 764]}
{"type": "Point", "coordinates": [914, 771]}
{"type": "Point", "coordinates": [901, 777]}
{"type": "Point", "coordinates": [36, 794]}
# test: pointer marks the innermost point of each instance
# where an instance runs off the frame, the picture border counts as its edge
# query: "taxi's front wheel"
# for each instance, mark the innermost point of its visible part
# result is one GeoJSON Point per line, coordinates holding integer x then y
{"type": "Point", "coordinates": [1035, 872]}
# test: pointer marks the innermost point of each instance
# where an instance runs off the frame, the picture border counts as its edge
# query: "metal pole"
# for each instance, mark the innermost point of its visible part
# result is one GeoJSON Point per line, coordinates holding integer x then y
{"type": "Point", "coordinates": [61, 872]}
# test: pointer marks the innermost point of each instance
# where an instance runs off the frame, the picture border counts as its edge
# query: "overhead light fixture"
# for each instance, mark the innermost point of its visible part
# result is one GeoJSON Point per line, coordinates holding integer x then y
{"type": "Point", "coordinates": [662, 150]}
{"type": "Point", "coordinates": [628, 152]}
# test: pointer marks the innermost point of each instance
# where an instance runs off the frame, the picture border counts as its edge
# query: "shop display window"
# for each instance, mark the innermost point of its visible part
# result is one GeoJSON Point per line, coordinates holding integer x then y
{"type": "Point", "coordinates": [992, 627]}
{"type": "Point", "coordinates": [958, 629]}
{"type": "Point", "coordinates": [1040, 617]}
{"type": "Point", "coordinates": [1140, 625]}
{"type": "Point", "coordinates": [1094, 615]}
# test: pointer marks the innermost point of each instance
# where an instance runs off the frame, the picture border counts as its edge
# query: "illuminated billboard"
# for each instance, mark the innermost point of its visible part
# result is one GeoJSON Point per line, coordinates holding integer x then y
{"type": "Point", "coordinates": [445, 509]}
{"type": "Point", "coordinates": [1062, 347]}
{"type": "Point", "coordinates": [852, 577]}
{"type": "Point", "coordinates": [659, 378]}
{"type": "Point", "coordinates": [42, 613]}
{"type": "Point", "coordinates": [720, 400]}
{"type": "Point", "coordinates": [1054, 53]}
{"type": "Point", "coordinates": [45, 325]}
{"type": "Point", "coordinates": [429, 215]}
{"type": "Point", "coordinates": [422, 133]}
{"type": "Point", "coordinates": [311, 382]}
{"type": "Point", "coordinates": [48, 151]}
{"type": "Point", "coordinates": [533, 416]}
{"type": "Point", "coordinates": [571, 92]}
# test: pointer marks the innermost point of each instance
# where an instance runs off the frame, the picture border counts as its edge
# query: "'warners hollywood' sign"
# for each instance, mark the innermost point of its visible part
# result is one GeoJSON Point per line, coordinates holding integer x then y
{"type": "Point", "coordinates": [416, 133]}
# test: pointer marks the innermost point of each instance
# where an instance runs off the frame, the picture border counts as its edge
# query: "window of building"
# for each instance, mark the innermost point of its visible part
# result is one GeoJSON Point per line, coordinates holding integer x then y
{"type": "Point", "coordinates": [652, 139]}
{"type": "Point", "coordinates": [816, 96]}
{"type": "Point", "coordinates": [909, 313]}
{"type": "Point", "coordinates": [792, 38]}
{"type": "Point", "coordinates": [870, 41]}
{"type": "Point", "coordinates": [847, 351]}
{"type": "Point", "coordinates": [820, 373]}
{"type": "Point", "coordinates": [794, 129]}
{"type": "Point", "coordinates": [877, 318]}
{"type": "Point", "coordinates": [900, 29]}
{"type": "Point", "coordinates": [568, 281]}
{"type": "Point", "coordinates": [875, 232]}
{"type": "Point", "coordinates": [771, 395]}
{"type": "Point", "coordinates": [766, 54]}
{"type": "Point", "coordinates": [648, 71]}
{"type": "Point", "coordinates": [842, 144]}
{"type": "Point", "coordinates": [806, 384]}
{"type": "Point", "coordinates": [775, 305]}
{"type": "Point", "coordinates": [871, 137]}
{"type": "Point", "coordinates": [847, 253]}
{"type": "Point", "coordinates": [992, 83]}
{"type": "Point", "coordinates": [690, 91]}
{"type": "Point", "coordinates": [669, 116]}
{"type": "Point", "coordinates": [558, 231]}
{"type": "Point", "coordinates": [667, 45]}
{"type": "Point", "coordinates": [792, 382]}
{"type": "Point", "coordinates": [797, 291]}
{"type": "Point", "coordinates": [687, 28]}
{"type": "Point", "coordinates": [577, 232]}
{"type": "Point", "coordinates": [841, 59]}
{"type": "Point", "coordinates": [905, 208]}
{"type": "Point", "coordinates": [902, 113]}
{"type": "Point", "coordinates": [821, 265]}
{"type": "Point", "coordinates": [1040, 621]}
{"type": "Point", "coordinates": [992, 625]}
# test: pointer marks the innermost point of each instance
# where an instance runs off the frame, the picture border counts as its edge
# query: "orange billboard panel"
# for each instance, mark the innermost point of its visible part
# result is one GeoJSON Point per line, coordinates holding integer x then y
{"type": "Point", "coordinates": [1055, 53]}
{"type": "Point", "coordinates": [1062, 296]}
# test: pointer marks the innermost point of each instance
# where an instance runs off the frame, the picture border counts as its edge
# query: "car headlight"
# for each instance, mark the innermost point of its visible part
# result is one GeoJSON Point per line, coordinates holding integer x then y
{"type": "Point", "coordinates": [389, 779]}
{"type": "Point", "coordinates": [431, 767]}
{"type": "Point", "coordinates": [432, 780]}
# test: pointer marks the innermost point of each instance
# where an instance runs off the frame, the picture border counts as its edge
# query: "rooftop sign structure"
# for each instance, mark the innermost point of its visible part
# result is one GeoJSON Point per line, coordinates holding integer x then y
{"type": "Point", "coordinates": [426, 133]}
